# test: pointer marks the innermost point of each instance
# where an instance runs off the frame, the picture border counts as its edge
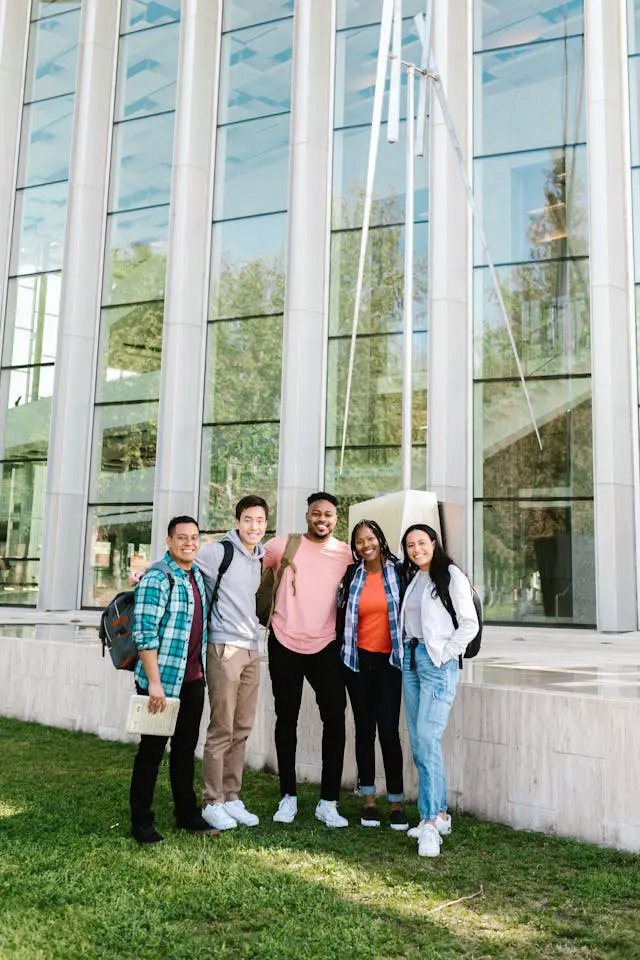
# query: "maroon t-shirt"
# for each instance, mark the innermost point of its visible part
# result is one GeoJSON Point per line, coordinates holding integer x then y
{"type": "Point", "coordinates": [194, 656]}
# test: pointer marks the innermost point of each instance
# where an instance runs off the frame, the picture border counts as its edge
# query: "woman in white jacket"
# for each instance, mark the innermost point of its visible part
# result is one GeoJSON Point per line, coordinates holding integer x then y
{"type": "Point", "coordinates": [430, 649]}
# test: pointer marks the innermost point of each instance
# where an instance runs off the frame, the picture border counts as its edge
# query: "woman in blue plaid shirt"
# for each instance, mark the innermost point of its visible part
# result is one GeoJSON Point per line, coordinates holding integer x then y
{"type": "Point", "coordinates": [369, 607]}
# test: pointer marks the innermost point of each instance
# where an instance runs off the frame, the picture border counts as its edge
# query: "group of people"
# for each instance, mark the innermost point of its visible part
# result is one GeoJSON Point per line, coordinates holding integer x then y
{"type": "Point", "coordinates": [350, 619]}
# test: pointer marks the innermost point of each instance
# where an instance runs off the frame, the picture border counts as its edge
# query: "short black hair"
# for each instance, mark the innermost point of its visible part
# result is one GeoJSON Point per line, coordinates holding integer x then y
{"type": "Point", "coordinates": [251, 501]}
{"type": "Point", "coordinates": [176, 520]}
{"type": "Point", "coordinates": [322, 495]}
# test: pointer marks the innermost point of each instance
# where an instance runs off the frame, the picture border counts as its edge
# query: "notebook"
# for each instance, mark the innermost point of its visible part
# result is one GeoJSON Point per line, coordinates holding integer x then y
{"type": "Point", "coordinates": [139, 720]}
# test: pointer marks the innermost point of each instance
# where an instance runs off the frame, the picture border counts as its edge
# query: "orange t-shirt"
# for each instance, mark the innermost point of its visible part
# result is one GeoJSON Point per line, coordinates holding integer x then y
{"type": "Point", "coordinates": [374, 633]}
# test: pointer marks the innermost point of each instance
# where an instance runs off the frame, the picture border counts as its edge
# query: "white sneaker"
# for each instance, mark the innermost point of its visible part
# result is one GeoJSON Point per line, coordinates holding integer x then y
{"type": "Point", "coordinates": [429, 841]}
{"type": "Point", "coordinates": [287, 809]}
{"type": "Point", "coordinates": [442, 826]}
{"type": "Point", "coordinates": [327, 812]}
{"type": "Point", "coordinates": [216, 816]}
{"type": "Point", "coordinates": [414, 833]}
{"type": "Point", "coordinates": [237, 810]}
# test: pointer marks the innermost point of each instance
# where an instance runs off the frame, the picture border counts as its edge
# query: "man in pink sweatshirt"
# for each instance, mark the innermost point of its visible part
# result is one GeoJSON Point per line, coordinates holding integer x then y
{"type": "Point", "coordinates": [302, 644]}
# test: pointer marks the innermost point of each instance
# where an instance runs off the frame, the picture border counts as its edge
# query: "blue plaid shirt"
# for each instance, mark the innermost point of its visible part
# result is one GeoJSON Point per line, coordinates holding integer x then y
{"type": "Point", "coordinates": [391, 581]}
{"type": "Point", "coordinates": [162, 621]}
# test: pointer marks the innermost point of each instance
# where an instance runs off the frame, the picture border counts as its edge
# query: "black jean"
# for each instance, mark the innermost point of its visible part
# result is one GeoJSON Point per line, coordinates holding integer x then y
{"type": "Point", "coordinates": [323, 671]}
{"type": "Point", "coordinates": [181, 762]}
{"type": "Point", "coordinates": [375, 693]}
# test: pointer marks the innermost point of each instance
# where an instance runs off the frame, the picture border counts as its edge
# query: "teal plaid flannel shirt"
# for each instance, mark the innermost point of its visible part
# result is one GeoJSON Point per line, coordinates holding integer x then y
{"type": "Point", "coordinates": [162, 621]}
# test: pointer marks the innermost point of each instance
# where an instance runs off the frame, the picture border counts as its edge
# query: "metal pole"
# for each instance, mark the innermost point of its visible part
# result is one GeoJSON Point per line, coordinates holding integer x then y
{"type": "Point", "coordinates": [407, 338]}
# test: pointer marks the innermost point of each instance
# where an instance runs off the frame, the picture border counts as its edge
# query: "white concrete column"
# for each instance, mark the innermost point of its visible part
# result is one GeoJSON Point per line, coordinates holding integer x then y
{"type": "Point", "coordinates": [72, 411]}
{"type": "Point", "coordinates": [612, 343]}
{"type": "Point", "coordinates": [14, 35]}
{"type": "Point", "coordinates": [187, 290]}
{"type": "Point", "coordinates": [305, 319]}
{"type": "Point", "coordinates": [449, 384]}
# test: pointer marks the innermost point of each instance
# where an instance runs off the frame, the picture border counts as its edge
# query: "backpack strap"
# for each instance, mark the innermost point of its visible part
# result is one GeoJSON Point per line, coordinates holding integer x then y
{"type": "Point", "coordinates": [290, 550]}
{"type": "Point", "coordinates": [222, 569]}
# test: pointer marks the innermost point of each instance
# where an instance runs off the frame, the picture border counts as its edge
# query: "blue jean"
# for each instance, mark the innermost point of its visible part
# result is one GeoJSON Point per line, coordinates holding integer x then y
{"type": "Point", "coordinates": [429, 692]}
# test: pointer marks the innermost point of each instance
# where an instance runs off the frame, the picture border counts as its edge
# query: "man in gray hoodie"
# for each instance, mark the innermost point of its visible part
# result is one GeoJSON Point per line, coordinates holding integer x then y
{"type": "Point", "coordinates": [233, 664]}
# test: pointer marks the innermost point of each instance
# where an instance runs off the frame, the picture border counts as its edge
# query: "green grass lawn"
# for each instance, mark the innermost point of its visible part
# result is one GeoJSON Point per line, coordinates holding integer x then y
{"type": "Point", "coordinates": [74, 885]}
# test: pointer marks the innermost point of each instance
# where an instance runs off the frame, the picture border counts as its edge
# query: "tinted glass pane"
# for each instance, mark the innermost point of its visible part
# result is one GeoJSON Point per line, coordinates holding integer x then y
{"type": "Point", "coordinates": [252, 168]}
{"type": "Point", "coordinates": [136, 256]}
{"type": "Point", "coordinates": [38, 234]}
{"type": "Point", "coordinates": [502, 23]}
{"type": "Point", "coordinates": [19, 582]}
{"type": "Point", "coordinates": [32, 320]}
{"type": "Point", "coordinates": [383, 288]}
{"type": "Point", "coordinates": [244, 370]}
{"type": "Point", "coordinates": [45, 147]}
{"type": "Point", "coordinates": [26, 402]}
{"type": "Point", "coordinates": [354, 13]}
{"type": "Point", "coordinates": [124, 455]}
{"type": "Point", "coordinates": [248, 267]}
{"type": "Point", "coordinates": [142, 155]}
{"type": "Point", "coordinates": [119, 543]}
{"type": "Point", "coordinates": [548, 307]}
{"type": "Point", "coordinates": [244, 13]}
{"type": "Point", "coordinates": [143, 14]}
{"type": "Point", "coordinates": [535, 561]}
{"type": "Point", "coordinates": [147, 71]}
{"type": "Point", "coordinates": [534, 205]}
{"type": "Point", "coordinates": [130, 352]}
{"type": "Point", "coordinates": [356, 60]}
{"type": "Point", "coordinates": [530, 97]}
{"type": "Point", "coordinates": [255, 77]}
{"type": "Point", "coordinates": [375, 412]}
{"type": "Point", "coordinates": [350, 159]}
{"type": "Point", "coordinates": [236, 461]}
{"type": "Point", "coordinates": [633, 10]}
{"type": "Point", "coordinates": [50, 8]}
{"type": "Point", "coordinates": [21, 511]}
{"type": "Point", "coordinates": [53, 52]}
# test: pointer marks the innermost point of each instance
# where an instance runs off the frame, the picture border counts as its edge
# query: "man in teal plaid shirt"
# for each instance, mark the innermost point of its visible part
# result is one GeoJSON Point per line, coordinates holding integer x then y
{"type": "Point", "coordinates": [170, 632]}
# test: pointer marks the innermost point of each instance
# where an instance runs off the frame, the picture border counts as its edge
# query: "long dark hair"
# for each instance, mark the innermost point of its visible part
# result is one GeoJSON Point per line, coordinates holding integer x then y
{"type": "Point", "coordinates": [385, 549]}
{"type": "Point", "coordinates": [438, 568]}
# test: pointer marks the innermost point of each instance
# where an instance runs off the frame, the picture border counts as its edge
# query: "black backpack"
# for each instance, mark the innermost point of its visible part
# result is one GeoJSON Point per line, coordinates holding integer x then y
{"type": "Point", "coordinates": [116, 624]}
{"type": "Point", "coordinates": [473, 647]}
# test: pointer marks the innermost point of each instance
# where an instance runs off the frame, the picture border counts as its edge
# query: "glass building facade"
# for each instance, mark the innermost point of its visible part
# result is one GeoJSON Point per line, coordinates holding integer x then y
{"type": "Point", "coordinates": [535, 530]}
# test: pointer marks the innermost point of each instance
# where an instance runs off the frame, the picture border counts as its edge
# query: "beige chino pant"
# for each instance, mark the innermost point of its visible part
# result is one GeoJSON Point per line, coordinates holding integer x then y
{"type": "Point", "coordinates": [233, 679]}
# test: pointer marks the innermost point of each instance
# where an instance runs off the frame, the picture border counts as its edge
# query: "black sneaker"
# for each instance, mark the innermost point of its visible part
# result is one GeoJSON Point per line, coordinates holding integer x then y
{"type": "Point", "coordinates": [198, 825]}
{"type": "Point", "coordinates": [370, 817]}
{"type": "Point", "coordinates": [398, 820]}
{"type": "Point", "coordinates": [146, 835]}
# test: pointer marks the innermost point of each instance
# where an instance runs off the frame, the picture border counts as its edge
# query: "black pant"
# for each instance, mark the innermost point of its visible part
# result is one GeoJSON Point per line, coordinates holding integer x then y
{"type": "Point", "coordinates": [323, 670]}
{"type": "Point", "coordinates": [375, 693]}
{"type": "Point", "coordinates": [181, 762]}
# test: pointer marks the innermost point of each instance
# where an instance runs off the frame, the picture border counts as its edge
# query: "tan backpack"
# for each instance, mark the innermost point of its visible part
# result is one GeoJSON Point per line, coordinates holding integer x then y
{"type": "Point", "coordinates": [270, 581]}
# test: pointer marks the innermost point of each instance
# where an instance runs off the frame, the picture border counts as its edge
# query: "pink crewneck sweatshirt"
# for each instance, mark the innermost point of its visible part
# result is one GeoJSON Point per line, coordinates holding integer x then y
{"type": "Point", "coordinates": [306, 622]}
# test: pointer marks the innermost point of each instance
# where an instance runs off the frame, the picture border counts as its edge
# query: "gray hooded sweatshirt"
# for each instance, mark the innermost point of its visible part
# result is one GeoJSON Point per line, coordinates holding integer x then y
{"type": "Point", "coordinates": [233, 618]}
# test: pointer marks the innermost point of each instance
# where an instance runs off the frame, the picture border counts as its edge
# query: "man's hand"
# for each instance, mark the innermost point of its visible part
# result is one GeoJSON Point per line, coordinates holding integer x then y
{"type": "Point", "coordinates": [134, 578]}
{"type": "Point", "coordinates": [157, 698]}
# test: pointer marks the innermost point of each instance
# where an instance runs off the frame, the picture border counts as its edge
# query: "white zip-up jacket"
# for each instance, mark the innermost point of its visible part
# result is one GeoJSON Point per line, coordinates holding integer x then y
{"type": "Point", "coordinates": [442, 641]}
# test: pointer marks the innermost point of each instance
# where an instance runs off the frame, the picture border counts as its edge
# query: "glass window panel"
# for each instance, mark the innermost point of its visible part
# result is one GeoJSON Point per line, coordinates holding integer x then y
{"type": "Point", "coordinates": [19, 582]}
{"type": "Point", "coordinates": [633, 10]}
{"type": "Point", "coordinates": [136, 256]}
{"type": "Point", "coordinates": [130, 353]}
{"type": "Point", "coordinates": [355, 13]}
{"type": "Point", "coordinates": [51, 61]}
{"type": "Point", "coordinates": [38, 232]}
{"type": "Point", "coordinates": [530, 97]}
{"type": "Point", "coordinates": [350, 158]}
{"type": "Point", "coordinates": [45, 147]}
{"type": "Point", "coordinates": [244, 13]}
{"type": "Point", "coordinates": [141, 165]}
{"type": "Point", "coordinates": [375, 410]}
{"type": "Point", "coordinates": [50, 8]}
{"type": "Point", "coordinates": [548, 306]}
{"type": "Point", "coordinates": [147, 72]}
{"type": "Point", "coordinates": [534, 561]}
{"type": "Point", "coordinates": [237, 461]}
{"type": "Point", "coordinates": [248, 267]}
{"type": "Point", "coordinates": [244, 370]}
{"type": "Point", "coordinates": [356, 61]}
{"type": "Point", "coordinates": [255, 73]}
{"type": "Point", "coordinates": [118, 543]}
{"type": "Point", "coordinates": [144, 14]}
{"type": "Point", "coordinates": [26, 401]}
{"type": "Point", "coordinates": [124, 453]}
{"type": "Point", "coordinates": [383, 288]}
{"type": "Point", "coordinates": [634, 108]}
{"type": "Point", "coordinates": [534, 205]}
{"type": "Point", "coordinates": [509, 462]}
{"type": "Point", "coordinates": [252, 168]}
{"type": "Point", "coordinates": [22, 491]}
{"type": "Point", "coordinates": [32, 320]}
{"type": "Point", "coordinates": [503, 23]}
